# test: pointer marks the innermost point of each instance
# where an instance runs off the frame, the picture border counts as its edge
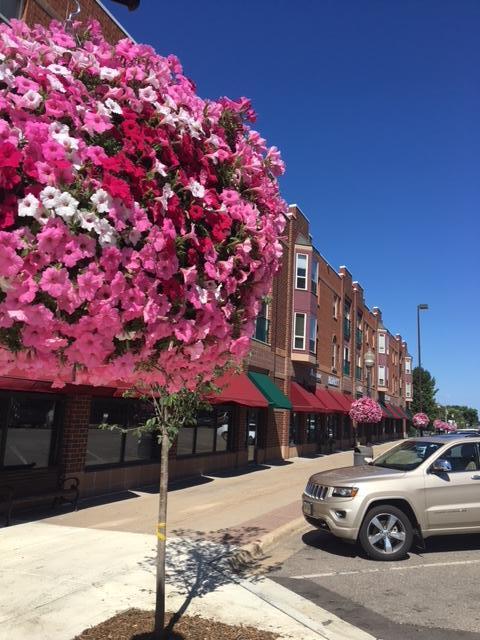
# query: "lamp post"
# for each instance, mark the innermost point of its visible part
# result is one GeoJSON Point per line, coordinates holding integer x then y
{"type": "Point", "coordinates": [420, 307]}
{"type": "Point", "coordinates": [369, 361]}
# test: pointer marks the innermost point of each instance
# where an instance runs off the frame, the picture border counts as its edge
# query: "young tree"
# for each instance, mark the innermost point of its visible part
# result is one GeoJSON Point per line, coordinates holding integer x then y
{"type": "Point", "coordinates": [139, 224]}
{"type": "Point", "coordinates": [428, 404]}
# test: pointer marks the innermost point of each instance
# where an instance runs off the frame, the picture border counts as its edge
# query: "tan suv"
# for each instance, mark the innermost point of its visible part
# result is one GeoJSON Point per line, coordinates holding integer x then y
{"type": "Point", "coordinates": [423, 486]}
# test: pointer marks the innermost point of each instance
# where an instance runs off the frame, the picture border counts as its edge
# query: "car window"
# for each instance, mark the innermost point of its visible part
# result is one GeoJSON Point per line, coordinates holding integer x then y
{"type": "Point", "coordinates": [463, 457]}
{"type": "Point", "coordinates": [407, 455]}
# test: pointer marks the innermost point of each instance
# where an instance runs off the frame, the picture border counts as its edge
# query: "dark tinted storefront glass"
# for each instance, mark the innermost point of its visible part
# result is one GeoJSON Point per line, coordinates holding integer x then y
{"type": "Point", "coordinates": [312, 420]}
{"type": "Point", "coordinates": [211, 433]}
{"type": "Point", "coordinates": [29, 425]}
{"type": "Point", "coordinates": [106, 447]}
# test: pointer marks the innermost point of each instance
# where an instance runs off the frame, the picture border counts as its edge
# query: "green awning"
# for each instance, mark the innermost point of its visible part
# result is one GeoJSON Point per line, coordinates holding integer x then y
{"type": "Point", "coordinates": [387, 413]}
{"type": "Point", "coordinates": [276, 398]}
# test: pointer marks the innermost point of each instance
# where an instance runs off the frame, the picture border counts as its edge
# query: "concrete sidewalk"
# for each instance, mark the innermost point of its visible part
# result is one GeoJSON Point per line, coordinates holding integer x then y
{"type": "Point", "coordinates": [61, 574]}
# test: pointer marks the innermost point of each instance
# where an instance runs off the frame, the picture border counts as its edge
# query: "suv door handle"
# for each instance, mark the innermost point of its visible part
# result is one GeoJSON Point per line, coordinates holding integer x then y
{"type": "Point", "coordinates": [475, 477]}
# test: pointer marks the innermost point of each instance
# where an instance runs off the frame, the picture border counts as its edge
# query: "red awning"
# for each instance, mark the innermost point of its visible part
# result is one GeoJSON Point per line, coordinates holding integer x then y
{"type": "Point", "coordinates": [397, 411]}
{"type": "Point", "coordinates": [303, 401]}
{"type": "Point", "coordinates": [384, 412]}
{"type": "Point", "coordinates": [328, 401]}
{"type": "Point", "coordinates": [23, 384]}
{"type": "Point", "coordinates": [237, 388]}
{"type": "Point", "coordinates": [342, 399]}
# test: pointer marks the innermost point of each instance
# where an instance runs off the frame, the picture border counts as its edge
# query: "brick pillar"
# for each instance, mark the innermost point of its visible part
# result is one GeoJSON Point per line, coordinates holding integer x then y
{"type": "Point", "coordinates": [75, 434]}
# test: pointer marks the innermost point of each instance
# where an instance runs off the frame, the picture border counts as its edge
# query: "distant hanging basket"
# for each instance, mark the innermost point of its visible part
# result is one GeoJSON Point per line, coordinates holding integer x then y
{"type": "Point", "coordinates": [366, 410]}
{"type": "Point", "coordinates": [421, 420]}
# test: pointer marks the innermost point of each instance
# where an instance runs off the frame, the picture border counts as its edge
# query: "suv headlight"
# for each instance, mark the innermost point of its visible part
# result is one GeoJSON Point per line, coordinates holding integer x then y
{"type": "Point", "coordinates": [344, 492]}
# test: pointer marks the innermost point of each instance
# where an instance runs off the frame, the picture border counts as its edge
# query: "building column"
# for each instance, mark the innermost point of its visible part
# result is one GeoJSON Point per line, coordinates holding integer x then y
{"type": "Point", "coordinates": [75, 434]}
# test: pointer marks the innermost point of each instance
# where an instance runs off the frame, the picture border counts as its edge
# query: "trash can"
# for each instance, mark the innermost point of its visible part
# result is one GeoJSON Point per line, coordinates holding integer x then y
{"type": "Point", "coordinates": [360, 453]}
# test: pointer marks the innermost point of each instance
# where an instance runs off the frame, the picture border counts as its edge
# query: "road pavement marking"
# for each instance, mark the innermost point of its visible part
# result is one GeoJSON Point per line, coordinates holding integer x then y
{"type": "Point", "coordinates": [396, 568]}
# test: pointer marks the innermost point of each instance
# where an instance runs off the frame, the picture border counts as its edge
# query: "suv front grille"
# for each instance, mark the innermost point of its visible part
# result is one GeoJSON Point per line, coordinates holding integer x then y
{"type": "Point", "coordinates": [316, 491]}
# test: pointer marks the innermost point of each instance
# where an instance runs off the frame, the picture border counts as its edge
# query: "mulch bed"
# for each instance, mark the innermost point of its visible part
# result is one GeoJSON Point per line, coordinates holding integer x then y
{"type": "Point", "coordinates": [138, 625]}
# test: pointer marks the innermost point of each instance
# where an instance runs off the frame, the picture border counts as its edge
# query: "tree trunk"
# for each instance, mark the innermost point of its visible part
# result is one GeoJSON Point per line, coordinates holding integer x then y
{"type": "Point", "coordinates": [160, 631]}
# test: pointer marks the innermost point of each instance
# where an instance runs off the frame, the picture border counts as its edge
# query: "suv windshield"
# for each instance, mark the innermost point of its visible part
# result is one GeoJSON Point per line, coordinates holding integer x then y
{"type": "Point", "coordinates": [407, 455]}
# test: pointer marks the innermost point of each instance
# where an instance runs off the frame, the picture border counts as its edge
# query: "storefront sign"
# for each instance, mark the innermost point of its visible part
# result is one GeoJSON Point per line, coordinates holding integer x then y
{"type": "Point", "coordinates": [333, 381]}
{"type": "Point", "coordinates": [387, 398]}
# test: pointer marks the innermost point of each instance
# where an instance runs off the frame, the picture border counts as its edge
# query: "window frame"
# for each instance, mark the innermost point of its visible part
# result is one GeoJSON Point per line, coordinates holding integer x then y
{"type": "Point", "coordinates": [305, 277]}
{"type": "Point", "coordinates": [314, 280]}
{"type": "Point", "coordinates": [5, 19]}
{"type": "Point", "coordinates": [444, 456]}
{"type": "Point", "coordinates": [334, 353]}
{"type": "Point", "coordinates": [313, 324]}
{"type": "Point", "coordinates": [215, 410]}
{"type": "Point", "coordinates": [56, 428]}
{"type": "Point", "coordinates": [295, 335]}
{"type": "Point", "coordinates": [122, 463]}
{"type": "Point", "coordinates": [381, 347]}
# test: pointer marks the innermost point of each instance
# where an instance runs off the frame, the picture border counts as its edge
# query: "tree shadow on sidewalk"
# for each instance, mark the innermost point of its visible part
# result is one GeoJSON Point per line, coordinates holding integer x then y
{"type": "Point", "coordinates": [197, 565]}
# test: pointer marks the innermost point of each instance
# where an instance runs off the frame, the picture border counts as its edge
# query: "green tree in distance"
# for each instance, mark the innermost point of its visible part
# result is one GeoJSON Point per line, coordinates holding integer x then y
{"type": "Point", "coordinates": [429, 391]}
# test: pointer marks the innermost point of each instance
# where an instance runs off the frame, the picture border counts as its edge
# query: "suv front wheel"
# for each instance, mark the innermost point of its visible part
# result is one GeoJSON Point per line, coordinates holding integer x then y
{"type": "Point", "coordinates": [386, 533]}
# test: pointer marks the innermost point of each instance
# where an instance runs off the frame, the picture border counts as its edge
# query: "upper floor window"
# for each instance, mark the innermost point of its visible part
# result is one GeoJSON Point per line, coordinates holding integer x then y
{"type": "Point", "coordinates": [10, 9]}
{"type": "Point", "coordinates": [381, 376]}
{"type": "Point", "coordinates": [314, 277]}
{"type": "Point", "coordinates": [301, 271]}
{"type": "Point", "coordinates": [312, 343]}
{"type": "Point", "coordinates": [381, 343]}
{"type": "Point", "coordinates": [299, 331]}
{"type": "Point", "coordinates": [334, 353]}
{"type": "Point", "coordinates": [408, 390]}
{"type": "Point", "coordinates": [262, 324]}
{"type": "Point", "coordinates": [408, 365]}
{"type": "Point", "coordinates": [336, 302]}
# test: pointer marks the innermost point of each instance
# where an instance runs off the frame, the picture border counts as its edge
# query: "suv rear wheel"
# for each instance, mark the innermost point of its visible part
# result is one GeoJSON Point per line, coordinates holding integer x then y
{"type": "Point", "coordinates": [386, 533]}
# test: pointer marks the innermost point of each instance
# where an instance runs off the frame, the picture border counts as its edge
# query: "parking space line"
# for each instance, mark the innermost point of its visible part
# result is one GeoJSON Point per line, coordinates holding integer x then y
{"type": "Point", "coordinates": [395, 568]}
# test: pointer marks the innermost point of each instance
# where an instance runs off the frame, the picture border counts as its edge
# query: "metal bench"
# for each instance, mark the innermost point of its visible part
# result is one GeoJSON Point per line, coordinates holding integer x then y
{"type": "Point", "coordinates": [26, 486]}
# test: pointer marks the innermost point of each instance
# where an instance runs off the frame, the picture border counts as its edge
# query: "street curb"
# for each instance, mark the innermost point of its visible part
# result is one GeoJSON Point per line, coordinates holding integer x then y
{"type": "Point", "coordinates": [250, 553]}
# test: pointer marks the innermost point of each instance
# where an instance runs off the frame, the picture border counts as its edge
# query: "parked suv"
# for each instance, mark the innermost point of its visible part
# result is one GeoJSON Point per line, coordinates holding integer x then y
{"type": "Point", "coordinates": [423, 487]}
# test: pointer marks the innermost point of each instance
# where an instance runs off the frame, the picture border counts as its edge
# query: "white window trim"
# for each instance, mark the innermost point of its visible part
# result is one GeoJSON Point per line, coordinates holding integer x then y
{"type": "Point", "coordinates": [312, 319]}
{"type": "Point", "coordinates": [314, 281]}
{"type": "Point", "coordinates": [381, 376]}
{"type": "Point", "coordinates": [305, 288]}
{"type": "Point", "coordinates": [381, 348]}
{"type": "Point", "coordinates": [304, 330]}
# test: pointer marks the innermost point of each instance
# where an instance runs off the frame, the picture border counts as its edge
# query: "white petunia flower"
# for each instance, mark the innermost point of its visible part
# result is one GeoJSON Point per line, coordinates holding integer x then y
{"type": "Point", "coordinates": [59, 70]}
{"type": "Point", "coordinates": [55, 83]}
{"type": "Point", "coordinates": [102, 200]}
{"type": "Point", "coordinates": [32, 99]}
{"type": "Point", "coordinates": [50, 197]}
{"type": "Point", "coordinates": [86, 219]}
{"type": "Point", "coordinates": [106, 73]}
{"type": "Point", "coordinates": [160, 168]}
{"type": "Point", "coordinates": [167, 193]}
{"type": "Point", "coordinates": [112, 106]}
{"type": "Point", "coordinates": [148, 94]}
{"type": "Point", "coordinates": [197, 189]}
{"type": "Point", "coordinates": [29, 206]}
{"type": "Point", "coordinates": [65, 199]}
{"type": "Point", "coordinates": [66, 212]}
{"type": "Point", "coordinates": [58, 129]}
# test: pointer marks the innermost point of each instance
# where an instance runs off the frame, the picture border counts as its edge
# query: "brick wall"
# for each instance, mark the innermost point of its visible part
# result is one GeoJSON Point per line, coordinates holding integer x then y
{"type": "Point", "coordinates": [43, 11]}
{"type": "Point", "coordinates": [75, 434]}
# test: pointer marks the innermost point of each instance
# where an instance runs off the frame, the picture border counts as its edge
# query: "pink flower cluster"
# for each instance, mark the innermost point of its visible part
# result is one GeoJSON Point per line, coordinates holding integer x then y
{"type": "Point", "coordinates": [365, 410]}
{"type": "Point", "coordinates": [139, 224]}
{"type": "Point", "coordinates": [420, 420]}
{"type": "Point", "coordinates": [440, 425]}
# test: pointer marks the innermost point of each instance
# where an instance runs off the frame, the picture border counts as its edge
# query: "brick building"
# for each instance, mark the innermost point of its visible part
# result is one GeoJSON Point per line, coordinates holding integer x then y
{"type": "Point", "coordinates": [305, 367]}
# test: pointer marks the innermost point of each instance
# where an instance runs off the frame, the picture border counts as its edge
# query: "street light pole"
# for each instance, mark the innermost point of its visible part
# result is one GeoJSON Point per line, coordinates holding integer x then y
{"type": "Point", "coordinates": [420, 307]}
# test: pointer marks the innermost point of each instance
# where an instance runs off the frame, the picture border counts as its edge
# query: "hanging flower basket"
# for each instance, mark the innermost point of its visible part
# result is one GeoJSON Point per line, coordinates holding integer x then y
{"type": "Point", "coordinates": [139, 223]}
{"type": "Point", "coordinates": [421, 420]}
{"type": "Point", "coordinates": [366, 410]}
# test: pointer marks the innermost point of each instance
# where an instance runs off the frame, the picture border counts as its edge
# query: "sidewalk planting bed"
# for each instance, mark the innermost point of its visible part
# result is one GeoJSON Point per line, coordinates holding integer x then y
{"type": "Point", "coordinates": [138, 625]}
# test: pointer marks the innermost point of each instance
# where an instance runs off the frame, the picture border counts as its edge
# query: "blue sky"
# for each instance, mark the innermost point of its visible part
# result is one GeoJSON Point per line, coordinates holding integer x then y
{"type": "Point", "coordinates": [375, 105]}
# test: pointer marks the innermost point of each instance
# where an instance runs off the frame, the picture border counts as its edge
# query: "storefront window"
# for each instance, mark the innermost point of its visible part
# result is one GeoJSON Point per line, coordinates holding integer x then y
{"type": "Point", "coordinates": [107, 447]}
{"type": "Point", "coordinates": [294, 428]}
{"type": "Point", "coordinates": [211, 433]}
{"type": "Point", "coordinates": [28, 424]}
{"type": "Point", "coordinates": [312, 423]}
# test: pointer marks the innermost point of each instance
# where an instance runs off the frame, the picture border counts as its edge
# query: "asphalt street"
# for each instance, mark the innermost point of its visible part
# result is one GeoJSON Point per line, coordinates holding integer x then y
{"type": "Point", "coordinates": [432, 594]}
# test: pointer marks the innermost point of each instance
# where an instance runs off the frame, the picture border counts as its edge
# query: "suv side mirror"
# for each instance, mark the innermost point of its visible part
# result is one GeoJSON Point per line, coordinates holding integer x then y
{"type": "Point", "coordinates": [368, 460]}
{"type": "Point", "coordinates": [441, 466]}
